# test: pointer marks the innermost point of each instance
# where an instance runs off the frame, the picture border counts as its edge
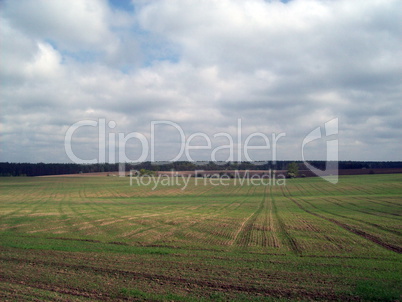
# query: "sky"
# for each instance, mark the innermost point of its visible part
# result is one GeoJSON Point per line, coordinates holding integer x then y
{"type": "Point", "coordinates": [111, 81]}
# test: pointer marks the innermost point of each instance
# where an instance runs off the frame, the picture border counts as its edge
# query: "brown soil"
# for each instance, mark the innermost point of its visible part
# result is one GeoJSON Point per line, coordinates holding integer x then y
{"type": "Point", "coordinates": [306, 173]}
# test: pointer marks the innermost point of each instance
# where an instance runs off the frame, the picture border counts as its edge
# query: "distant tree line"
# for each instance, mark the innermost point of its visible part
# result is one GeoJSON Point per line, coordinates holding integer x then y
{"type": "Point", "coordinates": [30, 169]}
{"type": "Point", "coordinates": [38, 169]}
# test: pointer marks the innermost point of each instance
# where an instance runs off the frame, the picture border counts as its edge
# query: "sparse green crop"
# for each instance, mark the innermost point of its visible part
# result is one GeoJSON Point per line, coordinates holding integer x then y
{"type": "Point", "coordinates": [98, 238]}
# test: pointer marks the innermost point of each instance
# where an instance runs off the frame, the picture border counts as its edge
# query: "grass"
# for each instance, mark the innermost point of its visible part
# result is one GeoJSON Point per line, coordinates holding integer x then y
{"type": "Point", "coordinates": [98, 238]}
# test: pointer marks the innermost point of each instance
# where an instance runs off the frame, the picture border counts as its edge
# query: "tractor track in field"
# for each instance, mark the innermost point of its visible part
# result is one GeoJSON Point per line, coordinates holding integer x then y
{"type": "Point", "coordinates": [367, 198]}
{"type": "Point", "coordinates": [370, 237]}
{"type": "Point", "coordinates": [388, 202]}
{"type": "Point", "coordinates": [294, 246]}
{"type": "Point", "coordinates": [253, 231]}
{"type": "Point", "coordinates": [337, 202]}
{"type": "Point", "coordinates": [356, 208]}
{"type": "Point", "coordinates": [318, 188]}
{"type": "Point", "coordinates": [244, 227]}
{"type": "Point", "coordinates": [355, 219]}
{"type": "Point", "coordinates": [303, 190]}
{"type": "Point", "coordinates": [237, 191]}
{"type": "Point", "coordinates": [247, 226]}
{"type": "Point", "coordinates": [247, 195]}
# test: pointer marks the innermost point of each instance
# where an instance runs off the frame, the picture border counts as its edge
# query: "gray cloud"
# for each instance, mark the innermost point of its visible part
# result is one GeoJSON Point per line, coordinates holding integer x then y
{"type": "Point", "coordinates": [280, 67]}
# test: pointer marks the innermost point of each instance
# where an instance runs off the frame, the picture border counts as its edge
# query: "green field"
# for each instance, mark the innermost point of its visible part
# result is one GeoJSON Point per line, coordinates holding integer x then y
{"type": "Point", "coordinates": [98, 238]}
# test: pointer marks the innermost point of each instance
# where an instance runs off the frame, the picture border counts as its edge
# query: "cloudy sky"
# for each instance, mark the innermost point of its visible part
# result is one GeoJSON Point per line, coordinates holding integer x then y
{"type": "Point", "coordinates": [158, 73]}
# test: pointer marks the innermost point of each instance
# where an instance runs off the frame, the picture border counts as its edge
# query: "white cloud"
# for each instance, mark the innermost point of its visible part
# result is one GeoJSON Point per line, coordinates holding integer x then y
{"type": "Point", "coordinates": [73, 24]}
{"type": "Point", "coordinates": [46, 64]}
{"type": "Point", "coordinates": [204, 64]}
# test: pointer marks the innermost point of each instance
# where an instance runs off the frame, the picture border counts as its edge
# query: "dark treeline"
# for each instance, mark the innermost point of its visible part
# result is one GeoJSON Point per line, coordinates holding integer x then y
{"type": "Point", "coordinates": [38, 169]}
{"type": "Point", "coordinates": [29, 169]}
